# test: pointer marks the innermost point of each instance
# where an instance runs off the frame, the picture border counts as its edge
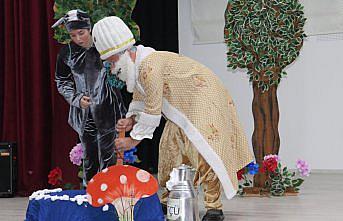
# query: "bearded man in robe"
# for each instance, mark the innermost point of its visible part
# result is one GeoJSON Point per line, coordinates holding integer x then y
{"type": "Point", "coordinates": [202, 128]}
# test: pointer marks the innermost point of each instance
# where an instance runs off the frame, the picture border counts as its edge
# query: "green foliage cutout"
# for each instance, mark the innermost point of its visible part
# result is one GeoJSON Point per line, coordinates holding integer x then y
{"type": "Point", "coordinates": [97, 9]}
{"type": "Point", "coordinates": [263, 36]}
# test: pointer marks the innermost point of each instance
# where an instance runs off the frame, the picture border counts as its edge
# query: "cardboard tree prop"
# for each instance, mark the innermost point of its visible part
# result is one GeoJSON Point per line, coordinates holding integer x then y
{"type": "Point", "coordinates": [264, 36]}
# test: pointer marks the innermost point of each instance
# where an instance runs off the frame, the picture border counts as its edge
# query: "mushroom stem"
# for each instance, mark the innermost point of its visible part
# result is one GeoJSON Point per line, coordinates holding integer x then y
{"type": "Point", "coordinates": [124, 207]}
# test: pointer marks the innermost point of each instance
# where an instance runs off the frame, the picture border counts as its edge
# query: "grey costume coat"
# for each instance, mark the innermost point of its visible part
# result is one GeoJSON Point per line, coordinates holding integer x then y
{"type": "Point", "coordinates": [75, 78]}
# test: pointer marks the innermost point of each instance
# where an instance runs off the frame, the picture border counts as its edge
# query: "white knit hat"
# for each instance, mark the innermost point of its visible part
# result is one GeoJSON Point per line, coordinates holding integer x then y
{"type": "Point", "coordinates": [111, 35]}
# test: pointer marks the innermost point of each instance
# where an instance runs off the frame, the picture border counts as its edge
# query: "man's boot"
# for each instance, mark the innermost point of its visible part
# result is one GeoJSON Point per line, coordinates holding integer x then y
{"type": "Point", "coordinates": [213, 215]}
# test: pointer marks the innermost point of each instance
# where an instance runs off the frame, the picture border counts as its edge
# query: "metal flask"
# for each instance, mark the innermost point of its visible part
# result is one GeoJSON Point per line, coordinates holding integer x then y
{"type": "Point", "coordinates": [182, 202]}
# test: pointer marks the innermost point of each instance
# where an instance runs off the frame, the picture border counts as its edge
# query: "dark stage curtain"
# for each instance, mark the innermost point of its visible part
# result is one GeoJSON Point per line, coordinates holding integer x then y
{"type": "Point", "coordinates": [33, 115]}
{"type": "Point", "coordinates": [2, 37]}
{"type": "Point", "coordinates": [158, 22]}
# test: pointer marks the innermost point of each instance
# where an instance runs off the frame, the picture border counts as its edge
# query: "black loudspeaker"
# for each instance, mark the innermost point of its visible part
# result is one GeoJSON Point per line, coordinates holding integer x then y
{"type": "Point", "coordinates": [8, 169]}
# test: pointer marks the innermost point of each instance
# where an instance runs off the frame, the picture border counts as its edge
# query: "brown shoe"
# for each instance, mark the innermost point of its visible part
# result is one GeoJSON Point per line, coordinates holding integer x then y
{"type": "Point", "coordinates": [214, 215]}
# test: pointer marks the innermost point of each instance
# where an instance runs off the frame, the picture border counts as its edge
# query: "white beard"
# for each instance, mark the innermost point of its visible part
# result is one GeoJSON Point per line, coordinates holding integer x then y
{"type": "Point", "coordinates": [125, 69]}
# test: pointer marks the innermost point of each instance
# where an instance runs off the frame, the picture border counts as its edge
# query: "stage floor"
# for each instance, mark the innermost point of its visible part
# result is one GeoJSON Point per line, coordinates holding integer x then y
{"type": "Point", "coordinates": [320, 199]}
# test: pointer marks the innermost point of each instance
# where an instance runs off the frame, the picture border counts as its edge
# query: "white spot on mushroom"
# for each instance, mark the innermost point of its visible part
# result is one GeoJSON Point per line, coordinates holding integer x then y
{"type": "Point", "coordinates": [144, 196]}
{"type": "Point", "coordinates": [92, 180]}
{"type": "Point", "coordinates": [103, 187]}
{"type": "Point", "coordinates": [100, 201]}
{"type": "Point", "coordinates": [105, 170]}
{"type": "Point", "coordinates": [105, 208]}
{"type": "Point", "coordinates": [123, 179]}
{"type": "Point", "coordinates": [143, 176]}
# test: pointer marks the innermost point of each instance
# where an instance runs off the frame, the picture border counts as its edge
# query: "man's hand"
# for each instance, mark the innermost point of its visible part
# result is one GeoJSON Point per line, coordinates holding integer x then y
{"type": "Point", "coordinates": [124, 124]}
{"type": "Point", "coordinates": [124, 144]}
{"type": "Point", "coordinates": [85, 102]}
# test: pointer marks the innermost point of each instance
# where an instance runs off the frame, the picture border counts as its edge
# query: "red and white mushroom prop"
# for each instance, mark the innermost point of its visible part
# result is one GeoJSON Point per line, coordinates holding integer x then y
{"type": "Point", "coordinates": [122, 186]}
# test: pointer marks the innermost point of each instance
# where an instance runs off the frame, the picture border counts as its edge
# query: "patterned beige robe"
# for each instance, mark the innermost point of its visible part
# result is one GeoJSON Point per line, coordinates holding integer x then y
{"type": "Point", "coordinates": [191, 96]}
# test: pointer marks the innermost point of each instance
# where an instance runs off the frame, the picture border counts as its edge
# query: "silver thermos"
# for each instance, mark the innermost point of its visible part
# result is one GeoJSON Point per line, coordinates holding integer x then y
{"type": "Point", "coordinates": [182, 202]}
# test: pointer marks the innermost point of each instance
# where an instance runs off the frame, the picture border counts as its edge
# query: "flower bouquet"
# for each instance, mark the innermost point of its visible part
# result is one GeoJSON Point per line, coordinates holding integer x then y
{"type": "Point", "coordinates": [280, 180]}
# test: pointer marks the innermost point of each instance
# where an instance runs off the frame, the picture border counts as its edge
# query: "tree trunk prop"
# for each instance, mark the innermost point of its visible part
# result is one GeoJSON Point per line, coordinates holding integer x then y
{"type": "Point", "coordinates": [264, 37]}
{"type": "Point", "coordinates": [265, 139]}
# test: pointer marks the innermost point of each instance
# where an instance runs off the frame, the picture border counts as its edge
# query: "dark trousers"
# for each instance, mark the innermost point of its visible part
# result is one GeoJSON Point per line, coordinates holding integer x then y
{"type": "Point", "coordinates": [99, 149]}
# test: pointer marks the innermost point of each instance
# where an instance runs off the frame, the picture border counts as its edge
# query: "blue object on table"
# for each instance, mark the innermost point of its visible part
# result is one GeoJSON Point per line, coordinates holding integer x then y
{"type": "Point", "coordinates": [146, 209]}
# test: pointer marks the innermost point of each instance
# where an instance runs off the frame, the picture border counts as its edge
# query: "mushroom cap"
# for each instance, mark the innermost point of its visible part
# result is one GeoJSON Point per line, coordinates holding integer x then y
{"type": "Point", "coordinates": [120, 181]}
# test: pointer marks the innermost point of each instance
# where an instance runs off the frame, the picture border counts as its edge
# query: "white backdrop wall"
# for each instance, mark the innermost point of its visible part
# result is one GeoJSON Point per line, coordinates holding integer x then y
{"type": "Point", "coordinates": [310, 98]}
{"type": "Point", "coordinates": [208, 16]}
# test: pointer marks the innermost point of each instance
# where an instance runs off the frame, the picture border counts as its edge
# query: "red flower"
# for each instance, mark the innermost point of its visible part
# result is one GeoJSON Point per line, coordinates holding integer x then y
{"type": "Point", "coordinates": [270, 164]}
{"type": "Point", "coordinates": [262, 169]}
{"type": "Point", "coordinates": [240, 173]}
{"type": "Point", "coordinates": [55, 177]}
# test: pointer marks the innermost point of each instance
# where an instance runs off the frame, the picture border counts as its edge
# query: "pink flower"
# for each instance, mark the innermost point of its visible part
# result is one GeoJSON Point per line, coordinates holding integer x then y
{"type": "Point", "coordinates": [303, 167]}
{"type": "Point", "coordinates": [276, 157]}
{"type": "Point", "coordinates": [76, 154]}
